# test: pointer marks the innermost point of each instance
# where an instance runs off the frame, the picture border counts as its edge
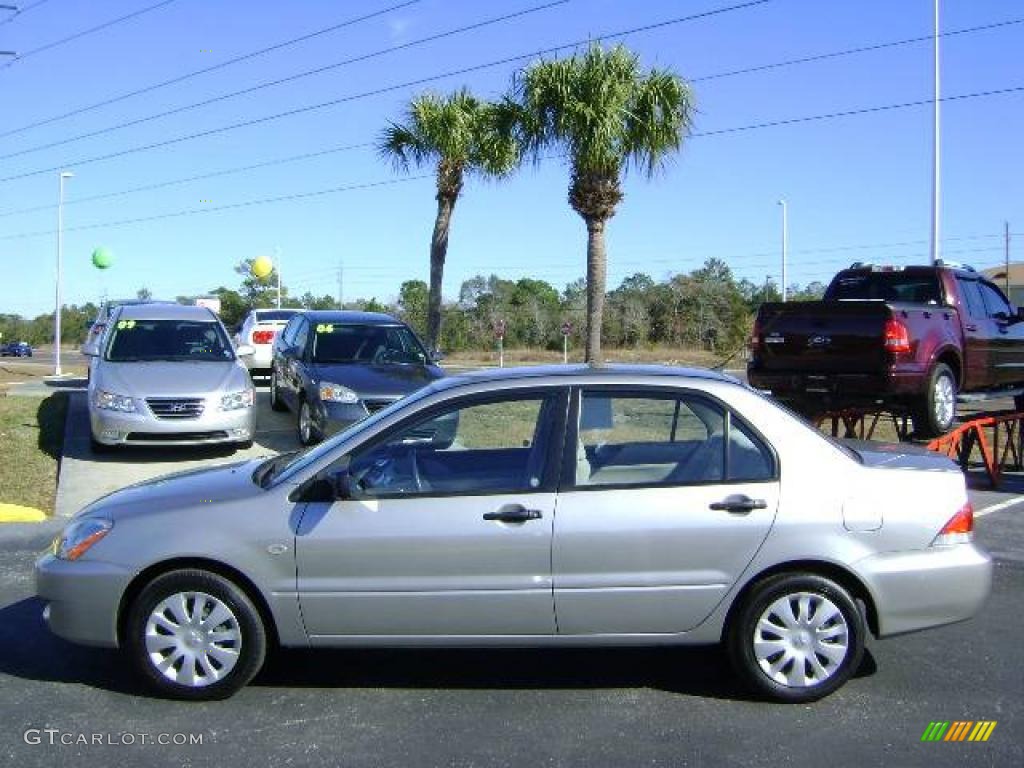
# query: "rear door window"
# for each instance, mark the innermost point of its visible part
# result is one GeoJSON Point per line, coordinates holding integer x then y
{"type": "Point", "coordinates": [970, 296]}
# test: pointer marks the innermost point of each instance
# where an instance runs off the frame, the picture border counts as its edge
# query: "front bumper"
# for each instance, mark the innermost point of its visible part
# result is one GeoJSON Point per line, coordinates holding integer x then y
{"type": "Point", "coordinates": [82, 598]}
{"type": "Point", "coordinates": [928, 588]}
{"type": "Point", "coordinates": [141, 427]}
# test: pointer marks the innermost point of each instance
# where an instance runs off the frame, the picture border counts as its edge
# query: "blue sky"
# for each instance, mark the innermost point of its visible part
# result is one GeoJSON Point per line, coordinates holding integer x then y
{"type": "Point", "coordinates": [850, 182]}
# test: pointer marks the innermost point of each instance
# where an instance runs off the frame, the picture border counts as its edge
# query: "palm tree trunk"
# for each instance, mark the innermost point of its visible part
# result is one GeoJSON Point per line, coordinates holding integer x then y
{"type": "Point", "coordinates": [438, 251]}
{"type": "Point", "coordinates": [597, 267]}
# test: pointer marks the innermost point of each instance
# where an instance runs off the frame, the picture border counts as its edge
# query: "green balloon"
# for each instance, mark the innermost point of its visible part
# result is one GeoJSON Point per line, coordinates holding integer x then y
{"type": "Point", "coordinates": [102, 258]}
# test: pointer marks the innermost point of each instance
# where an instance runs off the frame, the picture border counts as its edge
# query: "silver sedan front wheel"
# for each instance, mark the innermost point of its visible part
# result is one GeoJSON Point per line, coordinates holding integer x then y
{"type": "Point", "coordinates": [193, 639]}
{"type": "Point", "coordinates": [194, 634]}
{"type": "Point", "coordinates": [796, 637]}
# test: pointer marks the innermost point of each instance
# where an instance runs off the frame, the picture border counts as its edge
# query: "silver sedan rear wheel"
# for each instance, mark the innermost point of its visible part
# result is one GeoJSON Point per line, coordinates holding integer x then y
{"type": "Point", "coordinates": [801, 639]}
{"type": "Point", "coordinates": [194, 634]}
{"type": "Point", "coordinates": [796, 637]}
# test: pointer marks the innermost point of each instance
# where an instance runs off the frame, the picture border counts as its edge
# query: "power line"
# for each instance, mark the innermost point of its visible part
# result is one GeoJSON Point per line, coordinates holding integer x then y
{"type": "Point", "coordinates": [729, 73]}
{"type": "Point", "coordinates": [188, 179]}
{"type": "Point", "coordinates": [375, 92]}
{"type": "Point", "coordinates": [852, 51]}
{"type": "Point", "coordinates": [91, 30]}
{"type": "Point", "coordinates": [790, 121]}
{"type": "Point", "coordinates": [22, 11]}
{"type": "Point", "coordinates": [213, 68]}
{"type": "Point", "coordinates": [283, 80]}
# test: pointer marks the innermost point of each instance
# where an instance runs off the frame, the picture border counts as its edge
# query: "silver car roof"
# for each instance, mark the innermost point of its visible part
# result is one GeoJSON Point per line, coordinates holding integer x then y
{"type": "Point", "coordinates": [164, 312]}
{"type": "Point", "coordinates": [605, 373]}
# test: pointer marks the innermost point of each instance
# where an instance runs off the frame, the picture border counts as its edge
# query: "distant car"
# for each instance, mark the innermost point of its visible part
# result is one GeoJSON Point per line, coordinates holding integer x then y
{"type": "Point", "coordinates": [333, 368]}
{"type": "Point", "coordinates": [91, 345]}
{"type": "Point", "coordinates": [168, 375]}
{"type": "Point", "coordinates": [258, 331]}
{"type": "Point", "coordinates": [16, 349]}
{"type": "Point", "coordinates": [573, 506]}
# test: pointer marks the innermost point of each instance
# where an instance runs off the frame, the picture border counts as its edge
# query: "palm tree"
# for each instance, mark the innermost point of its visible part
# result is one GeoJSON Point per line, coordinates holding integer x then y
{"type": "Point", "coordinates": [456, 134]}
{"type": "Point", "coordinates": [607, 115]}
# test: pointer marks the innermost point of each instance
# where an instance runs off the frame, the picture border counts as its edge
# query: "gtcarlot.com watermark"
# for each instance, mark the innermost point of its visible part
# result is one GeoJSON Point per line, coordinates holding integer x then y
{"type": "Point", "coordinates": [55, 737]}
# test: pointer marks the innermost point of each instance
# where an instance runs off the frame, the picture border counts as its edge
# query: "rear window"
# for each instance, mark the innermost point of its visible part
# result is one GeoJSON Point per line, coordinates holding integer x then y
{"type": "Point", "coordinates": [885, 286]}
{"type": "Point", "coordinates": [275, 314]}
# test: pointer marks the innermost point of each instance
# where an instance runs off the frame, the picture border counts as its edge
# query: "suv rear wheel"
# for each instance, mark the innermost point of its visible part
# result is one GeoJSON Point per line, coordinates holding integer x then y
{"type": "Point", "coordinates": [935, 414]}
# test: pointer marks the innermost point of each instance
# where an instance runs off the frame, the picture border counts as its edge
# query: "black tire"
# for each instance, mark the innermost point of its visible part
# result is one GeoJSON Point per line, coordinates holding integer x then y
{"type": "Point", "coordinates": [744, 626]}
{"type": "Point", "coordinates": [931, 420]}
{"type": "Point", "coordinates": [314, 436]}
{"type": "Point", "coordinates": [276, 403]}
{"type": "Point", "coordinates": [245, 445]}
{"type": "Point", "coordinates": [250, 649]}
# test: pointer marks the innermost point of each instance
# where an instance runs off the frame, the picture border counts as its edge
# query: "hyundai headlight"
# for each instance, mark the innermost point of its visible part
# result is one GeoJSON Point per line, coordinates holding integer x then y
{"type": "Point", "coordinates": [111, 401]}
{"type": "Point", "coordinates": [335, 393]}
{"type": "Point", "coordinates": [235, 400]}
{"type": "Point", "coordinates": [80, 536]}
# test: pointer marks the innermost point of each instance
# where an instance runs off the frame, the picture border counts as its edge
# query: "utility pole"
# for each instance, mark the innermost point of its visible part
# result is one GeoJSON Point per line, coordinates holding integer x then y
{"type": "Point", "coordinates": [1006, 249]}
{"type": "Point", "coordinates": [936, 141]}
{"type": "Point", "coordinates": [341, 284]}
{"type": "Point", "coordinates": [277, 267]}
{"type": "Point", "coordinates": [64, 176]}
{"type": "Point", "coordinates": [785, 244]}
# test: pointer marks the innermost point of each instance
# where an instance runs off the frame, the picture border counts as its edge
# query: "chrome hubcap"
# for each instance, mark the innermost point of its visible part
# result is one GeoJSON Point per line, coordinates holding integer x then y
{"type": "Point", "coordinates": [945, 400]}
{"type": "Point", "coordinates": [193, 639]}
{"type": "Point", "coordinates": [801, 639]}
{"type": "Point", "coordinates": [305, 423]}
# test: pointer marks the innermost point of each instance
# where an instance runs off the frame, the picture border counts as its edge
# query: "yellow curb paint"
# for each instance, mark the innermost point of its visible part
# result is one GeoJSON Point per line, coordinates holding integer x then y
{"type": "Point", "coordinates": [15, 513]}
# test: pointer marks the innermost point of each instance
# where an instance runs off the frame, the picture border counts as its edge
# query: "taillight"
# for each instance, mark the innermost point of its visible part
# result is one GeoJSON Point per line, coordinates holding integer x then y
{"type": "Point", "coordinates": [755, 336]}
{"type": "Point", "coordinates": [262, 337]}
{"type": "Point", "coordinates": [959, 529]}
{"type": "Point", "coordinates": [897, 339]}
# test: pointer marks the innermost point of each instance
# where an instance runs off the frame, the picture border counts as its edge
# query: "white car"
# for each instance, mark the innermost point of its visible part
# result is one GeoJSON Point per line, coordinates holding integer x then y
{"type": "Point", "coordinates": [258, 331]}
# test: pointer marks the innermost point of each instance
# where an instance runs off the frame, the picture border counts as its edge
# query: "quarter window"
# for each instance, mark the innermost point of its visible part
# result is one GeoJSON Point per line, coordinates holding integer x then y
{"type": "Point", "coordinates": [995, 304]}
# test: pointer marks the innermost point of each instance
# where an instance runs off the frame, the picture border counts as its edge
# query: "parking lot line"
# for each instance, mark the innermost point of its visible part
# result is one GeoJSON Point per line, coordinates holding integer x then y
{"type": "Point", "coordinates": [999, 507]}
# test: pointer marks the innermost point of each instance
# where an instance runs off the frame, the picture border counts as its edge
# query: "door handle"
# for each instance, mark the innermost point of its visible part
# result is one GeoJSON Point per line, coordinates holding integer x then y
{"type": "Point", "coordinates": [972, 327]}
{"type": "Point", "coordinates": [739, 504]}
{"type": "Point", "coordinates": [514, 514]}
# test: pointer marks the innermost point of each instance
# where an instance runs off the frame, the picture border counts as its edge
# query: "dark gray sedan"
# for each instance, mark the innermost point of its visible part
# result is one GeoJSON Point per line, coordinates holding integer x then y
{"type": "Point", "coordinates": [332, 369]}
{"type": "Point", "coordinates": [531, 507]}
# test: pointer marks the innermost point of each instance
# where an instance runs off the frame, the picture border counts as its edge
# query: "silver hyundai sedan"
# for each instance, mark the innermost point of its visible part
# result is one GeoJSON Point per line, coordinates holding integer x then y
{"type": "Point", "coordinates": [531, 507]}
{"type": "Point", "coordinates": [166, 374]}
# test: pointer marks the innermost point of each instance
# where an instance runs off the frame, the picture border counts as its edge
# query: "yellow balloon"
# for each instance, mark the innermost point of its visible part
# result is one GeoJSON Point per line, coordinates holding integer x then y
{"type": "Point", "coordinates": [262, 266]}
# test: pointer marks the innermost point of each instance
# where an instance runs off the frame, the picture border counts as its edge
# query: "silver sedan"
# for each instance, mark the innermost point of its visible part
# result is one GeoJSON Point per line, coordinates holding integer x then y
{"type": "Point", "coordinates": [166, 374]}
{"type": "Point", "coordinates": [531, 507]}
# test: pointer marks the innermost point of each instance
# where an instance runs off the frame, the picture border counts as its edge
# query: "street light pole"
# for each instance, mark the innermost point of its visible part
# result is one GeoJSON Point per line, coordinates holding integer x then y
{"type": "Point", "coordinates": [277, 265]}
{"type": "Point", "coordinates": [936, 138]}
{"type": "Point", "coordinates": [64, 175]}
{"type": "Point", "coordinates": [785, 244]}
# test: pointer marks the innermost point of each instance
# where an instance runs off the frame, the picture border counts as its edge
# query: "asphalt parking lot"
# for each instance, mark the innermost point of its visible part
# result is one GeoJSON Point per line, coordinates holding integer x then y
{"type": "Point", "coordinates": [511, 707]}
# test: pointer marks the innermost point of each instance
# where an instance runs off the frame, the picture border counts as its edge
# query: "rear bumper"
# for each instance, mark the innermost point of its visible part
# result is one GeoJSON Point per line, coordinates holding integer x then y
{"type": "Point", "coordinates": [835, 387]}
{"type": "Point", "coordinates": [929, 588]}
{"type": "Point", "coordinates": [82, 599]}
{"type": "Point", "coordinates": [262, 360]}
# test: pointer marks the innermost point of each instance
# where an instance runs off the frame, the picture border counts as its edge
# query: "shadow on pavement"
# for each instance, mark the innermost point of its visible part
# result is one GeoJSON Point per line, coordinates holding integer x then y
{"type": "Point", "coordinates": [29, 651]}
{"type": "Point", "coordinates": [51, 416]}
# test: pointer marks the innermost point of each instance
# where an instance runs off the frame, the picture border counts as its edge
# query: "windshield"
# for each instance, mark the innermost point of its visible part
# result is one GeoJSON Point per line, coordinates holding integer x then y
{"type": "Point", "coordinates": [263, 316]}
{"type": "Point", "coordinates": [382, 344]}
{"type": "Point", "coordinates": [148, 340]}
{"type": "Point", "coordinates": [885, 286]}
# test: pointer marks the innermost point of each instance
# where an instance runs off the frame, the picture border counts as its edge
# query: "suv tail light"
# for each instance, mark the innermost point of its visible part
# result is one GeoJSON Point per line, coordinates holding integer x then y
{"type": "Point", "coordinates": [897, 339]}
{"type": "Point", "coordinates": [755, 336]}
{"type": "Point", "coordinates": [262, 337]}
{"type": "Point", "coordinates": [959, 529]}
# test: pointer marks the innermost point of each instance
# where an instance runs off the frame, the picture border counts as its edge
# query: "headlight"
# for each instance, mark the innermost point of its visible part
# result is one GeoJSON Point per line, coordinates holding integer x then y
{"type": "Point", "coordinates": [111, 401]}
{"type": "Point", "coordinates": [335, 393]}
{"type": "Point", "coordinates": [235, 400]}
{"type": "Point", "coordinates": [78, 537]}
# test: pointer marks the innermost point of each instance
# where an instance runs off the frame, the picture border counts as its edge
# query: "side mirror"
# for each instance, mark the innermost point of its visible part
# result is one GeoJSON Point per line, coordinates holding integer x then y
{"type": "Point", "coordinates": [436, 356]}
{"type": "Point", "coordinates": [245, 351]}
{"type": "Point", "coordinates": [90, 351]}
{"type": "Point", "coordinates": [341, 485]}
